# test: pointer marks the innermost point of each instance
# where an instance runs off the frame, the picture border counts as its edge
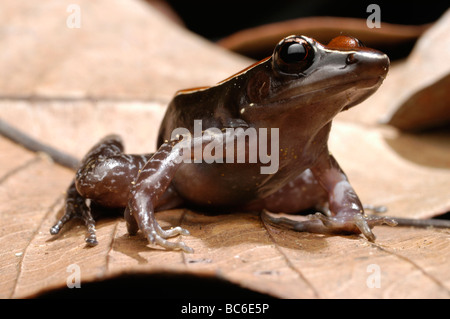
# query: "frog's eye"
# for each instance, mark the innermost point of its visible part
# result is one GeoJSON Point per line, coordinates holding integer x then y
{"type": "Point", "coordinates": [293, 55]}
{"type": "Point", "coordinates": [293, 52]}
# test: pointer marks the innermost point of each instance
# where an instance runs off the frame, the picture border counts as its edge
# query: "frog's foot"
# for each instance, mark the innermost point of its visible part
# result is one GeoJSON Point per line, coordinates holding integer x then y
{"type": "Point", "coordinates": [77, 207]}
{"type": "Point", "coordinates": [345, 223]}
{"type": "Point", "coordinates": [156, 235]}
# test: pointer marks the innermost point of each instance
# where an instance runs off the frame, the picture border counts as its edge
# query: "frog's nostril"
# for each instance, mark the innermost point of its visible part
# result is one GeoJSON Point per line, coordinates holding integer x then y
{"type": "Point", "coordinates": [351, 59]}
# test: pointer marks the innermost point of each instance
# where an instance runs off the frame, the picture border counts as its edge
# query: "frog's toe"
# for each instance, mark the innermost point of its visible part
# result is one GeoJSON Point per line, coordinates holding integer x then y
{"type": "Point", "coordinates": [158, 236]}
{"type": "Point", "coordinates": [173, 245]}
{"type": "Point", "coordinates": [155, 237]}
{"type": "Point", "coordinates": [91, 238]}
{"type": "Point", "coordinates": [72, 210]}
{"type": "Point", "coordinates": [352, 223]}
{"type": "Point", "coordinates": [55, 229]}
{"type": "Point", "coordinates": [175, 231]}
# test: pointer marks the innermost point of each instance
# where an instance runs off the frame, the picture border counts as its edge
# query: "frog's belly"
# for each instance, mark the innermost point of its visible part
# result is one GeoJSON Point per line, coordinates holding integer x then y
{"type": "Point", "coordinates": [220, 184]}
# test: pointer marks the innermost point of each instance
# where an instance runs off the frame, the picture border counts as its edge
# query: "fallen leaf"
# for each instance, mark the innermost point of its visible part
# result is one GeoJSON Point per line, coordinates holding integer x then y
{"type": "Point", "coordinates": [259, 41]}
{"type": "Point", "coordinates": [426, 75]}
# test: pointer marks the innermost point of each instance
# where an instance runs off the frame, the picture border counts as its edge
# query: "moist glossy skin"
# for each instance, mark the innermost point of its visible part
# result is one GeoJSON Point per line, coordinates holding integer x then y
{"type": "Point", "coordinates": [298, 91]}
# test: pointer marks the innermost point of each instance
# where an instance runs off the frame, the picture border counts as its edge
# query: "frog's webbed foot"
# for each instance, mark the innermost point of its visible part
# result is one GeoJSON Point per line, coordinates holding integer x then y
{"type": "Point", "coordinates": [77, 207]}
{"type": "Point", "coordinates": [349, 223]}
{"type": "Point", "coordinates": [344, 223]}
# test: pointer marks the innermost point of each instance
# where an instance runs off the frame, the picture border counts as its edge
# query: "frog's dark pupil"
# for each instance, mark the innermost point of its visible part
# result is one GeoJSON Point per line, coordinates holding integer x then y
{"type": "Point", "coordinates": [293, 52]}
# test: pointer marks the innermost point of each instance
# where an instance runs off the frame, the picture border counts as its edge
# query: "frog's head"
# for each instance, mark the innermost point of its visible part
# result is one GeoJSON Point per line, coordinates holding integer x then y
{"type": "Point", "coordinates": [304, 79]}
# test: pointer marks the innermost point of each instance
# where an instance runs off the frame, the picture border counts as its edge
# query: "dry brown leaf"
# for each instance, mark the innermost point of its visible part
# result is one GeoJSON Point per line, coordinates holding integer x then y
{"type": "Point", "coordinates": [238, 248]}
{"type": "Point", "coordinates": [414, 95]}
{"type": "Point", "coordinates": [123, 49]}
{"type": "Point", "coordinates": [426, 74]}
{"type": "Point", "coordinates": [259, 41]}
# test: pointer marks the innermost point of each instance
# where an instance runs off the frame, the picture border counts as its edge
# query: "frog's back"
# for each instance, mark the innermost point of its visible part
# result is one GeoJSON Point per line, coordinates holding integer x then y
{"type": "Point", "coordinates": [196, 104]}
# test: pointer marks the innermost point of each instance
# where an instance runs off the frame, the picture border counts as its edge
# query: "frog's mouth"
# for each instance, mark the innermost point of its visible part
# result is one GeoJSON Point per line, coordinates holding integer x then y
{"type": "Point", "coordinates": [344, 94]}
{"type": "Point", "coordinates": [366, 89]}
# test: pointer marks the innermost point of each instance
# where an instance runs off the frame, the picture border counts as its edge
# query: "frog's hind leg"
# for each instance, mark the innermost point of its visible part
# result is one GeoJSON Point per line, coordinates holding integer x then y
{"type": "Point", "coordinates": [105, 176]}
{"type": "Point", "coordinates": [340, 209]}
{"type": "Point", "coordinates": [139, 183]}
{"type": "Point", "coordinates": [77, 207]}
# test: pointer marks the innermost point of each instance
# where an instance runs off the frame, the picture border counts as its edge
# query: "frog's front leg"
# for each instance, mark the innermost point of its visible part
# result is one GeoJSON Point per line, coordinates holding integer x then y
{"type": "Point", "coordinates": [146, 192]}
{"type": "Point", "coordinates": [154, 179]}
